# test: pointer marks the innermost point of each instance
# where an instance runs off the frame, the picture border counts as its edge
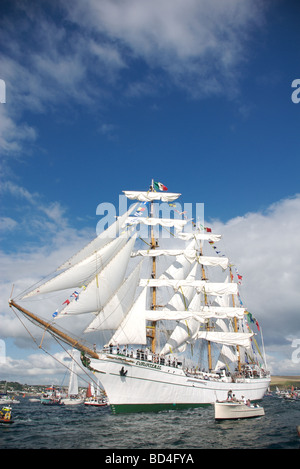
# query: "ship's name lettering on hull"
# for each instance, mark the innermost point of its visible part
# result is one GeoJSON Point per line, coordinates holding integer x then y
{"type": "Point", "coordinates": [148, 365]}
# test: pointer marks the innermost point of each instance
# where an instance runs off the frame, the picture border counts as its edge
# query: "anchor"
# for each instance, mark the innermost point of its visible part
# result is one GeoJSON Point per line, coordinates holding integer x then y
{"type": "Point", "coordinates": [123, 372]}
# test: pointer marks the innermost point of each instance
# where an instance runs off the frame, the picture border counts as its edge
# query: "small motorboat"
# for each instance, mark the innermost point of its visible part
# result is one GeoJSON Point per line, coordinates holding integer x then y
{"type": "Point", "coordinates": [51, 401]}
{"type": "Point", "coordinates": [5, 415]}
{"type": "Point", "coordinates": [5, 399]}
{"type": "Point", "coordinates": [237, 410]}
{"type": "Point", "coordinates": [51, 397]}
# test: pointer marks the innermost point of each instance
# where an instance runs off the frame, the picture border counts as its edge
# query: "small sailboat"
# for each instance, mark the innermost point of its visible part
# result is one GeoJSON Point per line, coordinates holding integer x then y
{"type": "Point", "coordinates": [268, 392]}
{"type": "Point", "coordinates": [290, 395]}
{"type": "Point", "coordinates": [95, 397]}
{"type": "Point", "coordinates": [73, 397]}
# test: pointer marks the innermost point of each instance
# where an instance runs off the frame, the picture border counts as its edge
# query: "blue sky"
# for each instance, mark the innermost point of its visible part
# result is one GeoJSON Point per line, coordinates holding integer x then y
{"type": "Point", "coordinates": [103, 96]}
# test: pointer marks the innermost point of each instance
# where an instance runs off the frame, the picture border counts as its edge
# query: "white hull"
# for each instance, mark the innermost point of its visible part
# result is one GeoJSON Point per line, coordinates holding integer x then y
{"type": "Point", "coordinates": [8, 400]}
{"type": "Point", "coordinates": [236, 410]}
{"type": "Point", "coordinates": [95, 403]}
{"type": "Point", "coordinates": [72, 401]}
{"type": "Point", "coordinates": [149, 386]}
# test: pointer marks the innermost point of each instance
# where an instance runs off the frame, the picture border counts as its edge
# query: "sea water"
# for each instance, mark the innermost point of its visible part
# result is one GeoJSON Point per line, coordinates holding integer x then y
{"type": "Point", "coordinates": [38, 426]}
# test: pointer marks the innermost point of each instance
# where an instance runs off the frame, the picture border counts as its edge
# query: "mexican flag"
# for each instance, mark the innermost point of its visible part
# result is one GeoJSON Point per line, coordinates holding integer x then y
{"type": "Point", "coordinates": [160, 187]}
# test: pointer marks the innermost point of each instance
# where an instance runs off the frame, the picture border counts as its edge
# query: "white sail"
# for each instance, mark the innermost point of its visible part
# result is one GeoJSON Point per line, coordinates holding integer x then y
{"type": "Point", "coordinates": [190, 254]}
{"type": "Point", "coordinates": [223, 300]}
{"type": "Point", "coordinates": [181, 267]}
{"type": "Point", "coordinates": [170, 315]}
{"type": "Point", "coordinates": [183, 295]}
{"type": "Point", "coordinates": [227, 355]}
{"type": "Point", "coordinates": [167, 222]}
{"type": "Point", "coordinates": [143, 196]}
{"type": "Point", "coordinates": [82, 272]}
{"type": "Point", "coordinates": [158, 315]}
{"type": "Point", "coordinates": [132, 330]}
{"type": "Point", "coordinates": [179, 303]}
{"type": "Point", "coordinates": [117, 307]}
{"type": "Point", "coordinates": [98, 389]}
{"type": "Point", "coordinates": [200, 285]}
{"type": "Point", "coordinates": [204, 313]}
{"type": "Point", "coordinates": [73, 380]}
{"type": "Point", "coordinates": [200, 236]}
{"type": "Point", "coordinates": [214, 261]}
{"type": "Point", "coordinates": [227, 338]}
{"type": "Point", "coordinates": [185, 331]}
{"type": "Point", "coordinates": [103, 286]}
{"type": "Point", "coordinates": [104, 238]}
{"type": "Point", "coordinates": [218, 289]}
{"type": "Point", "coordinates": [207, 312]}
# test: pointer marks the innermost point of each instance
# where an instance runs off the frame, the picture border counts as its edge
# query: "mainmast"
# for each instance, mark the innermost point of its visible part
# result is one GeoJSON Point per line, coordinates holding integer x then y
{"type": "Point", "coordinates": [151, 330]}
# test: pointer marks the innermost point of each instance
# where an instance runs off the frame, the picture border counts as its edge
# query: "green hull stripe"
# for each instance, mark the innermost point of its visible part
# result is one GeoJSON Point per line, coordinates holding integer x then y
{"type": "Point", "coordinates": [127, 408]}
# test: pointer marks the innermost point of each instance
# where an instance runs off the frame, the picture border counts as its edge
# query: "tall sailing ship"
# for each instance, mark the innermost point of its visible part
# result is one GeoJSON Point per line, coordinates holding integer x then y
{"type": "Point", "coordinates": [166, 334]}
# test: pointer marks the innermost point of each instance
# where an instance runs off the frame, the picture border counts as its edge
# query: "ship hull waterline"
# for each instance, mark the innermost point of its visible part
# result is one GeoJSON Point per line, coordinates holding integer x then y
{"type": "Point", "coordinates": [133, 385]}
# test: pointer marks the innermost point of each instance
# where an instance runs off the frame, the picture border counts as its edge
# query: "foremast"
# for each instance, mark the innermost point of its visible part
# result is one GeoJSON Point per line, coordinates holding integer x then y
{"type": "Point", "coordinates": [209, 357]}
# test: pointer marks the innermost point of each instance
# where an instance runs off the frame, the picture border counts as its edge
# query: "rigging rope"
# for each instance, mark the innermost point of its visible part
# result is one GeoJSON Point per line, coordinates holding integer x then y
{"type": "Point", "coordinates": [52, 356]}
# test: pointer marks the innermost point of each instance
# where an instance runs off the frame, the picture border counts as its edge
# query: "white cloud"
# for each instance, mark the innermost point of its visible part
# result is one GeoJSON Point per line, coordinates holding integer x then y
{"type": "Point", "coordinates": [44, 238]}
{"type": "Point", "coordinates": [75, 57]}
{"type": "Point", "coordinates": [266, 249]}
{"type": "Point", "coordinates": [48, 242]}
{"type": "Point", "coordinates": [198, 44]}
{"type": "Point", "coordinates": [19, 192]}
{"type": "Point", "coordinates": [13, 134]}
{"type": "Point", "coordinates": [42, 368]}
{"type": "Point", "coordinates": [7, 224]}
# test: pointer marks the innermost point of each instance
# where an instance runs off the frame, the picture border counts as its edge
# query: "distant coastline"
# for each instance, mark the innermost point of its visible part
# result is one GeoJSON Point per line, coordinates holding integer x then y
{"type": "Point", "coordinates": [285, 381]}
